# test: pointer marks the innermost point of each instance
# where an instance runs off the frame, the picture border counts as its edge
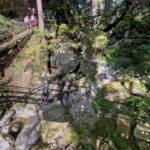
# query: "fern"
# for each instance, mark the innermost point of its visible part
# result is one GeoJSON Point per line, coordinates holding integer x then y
{"type": "Point", "coordinates": [120, 143]}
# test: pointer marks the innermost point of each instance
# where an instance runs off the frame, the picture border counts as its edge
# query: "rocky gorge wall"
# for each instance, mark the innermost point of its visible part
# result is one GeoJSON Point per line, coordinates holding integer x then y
{"type": "Point", "coordinates": [17, 7]}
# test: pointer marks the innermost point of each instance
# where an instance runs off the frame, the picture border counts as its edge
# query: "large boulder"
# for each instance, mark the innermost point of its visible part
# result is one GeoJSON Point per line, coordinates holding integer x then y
{"type": "Point", "coordinates": [135, 86]}
{"type": "Point", "coordinates": [142, 131]}
{"type": "Point", "coordinates": [16, 6]}
{"type": "Point", "coordinates": [88, 67]}
{"type": "Point", "coordinates": [124, 125]}
{"type": "Point", "coordinates": [80, 103]}
{"type": "Point", "coordinates": [4, 144]}
{"type": "Point", "coordinates": [143, 146]}
{"type": "Point", "coordinates": [29, 134]}
{"type": "Point", "coordinates": [115, 92]}
{"type": "Point", "coordinates": [56, 130]}
{"type": "Point", "coordinates": [24, 111]}
{"type": "Point", "coordinates": [66, 63]}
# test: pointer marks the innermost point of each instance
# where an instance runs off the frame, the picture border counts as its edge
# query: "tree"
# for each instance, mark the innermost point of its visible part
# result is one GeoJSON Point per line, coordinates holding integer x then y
{"type": "Point", "coordinates": [40, 14]}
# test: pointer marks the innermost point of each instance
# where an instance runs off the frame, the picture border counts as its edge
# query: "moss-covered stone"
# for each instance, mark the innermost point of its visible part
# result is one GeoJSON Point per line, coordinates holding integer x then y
{"type": "Point", "coordinates": [142, 131]}
{"type": "Point", "coordinates": [124, 24]}
{"type": "Point", "coordinates": [88, 67]}
{"type": "Point", "coordinates": [53, 129]}
{"type": "Point", "coordinates": [143, 145]}
{"type": "Point", "coordinates": [115, 92]}
{"type": "Point", "coordinates": [135, 86]}
{"type": "Point", "coordinates": [95, 41]}
{"type": "Point", "coordinates": [124, 125]}
{"type": "Point", "coordinates": [64, 30]}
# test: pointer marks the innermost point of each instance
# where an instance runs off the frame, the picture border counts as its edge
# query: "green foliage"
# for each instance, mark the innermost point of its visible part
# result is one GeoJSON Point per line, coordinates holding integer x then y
{"type": "Point", "coordinates": [91, 78]}
{"type": "Point", "coordinates": [103, 128]}
{"type": "Point", "coordinates": [143, 24]}
{"type": "Point", "coordinates": [120, 58]}
{"type": "Point", "coordinates": [125, 23]}
{"type": "Point", "coordinates": [31, 52]}
{"type": "Point", "coordinates": [120, 143]}
{"type": "Point", "coordinates": [120, 62]}
{"type": "Point", "coordinates": [18, 68]}
{"type": "Point", "coordinates": [4, 80]}
{"type": "Point", "coordinates": [76, 139]}
{"type": "Point", "coordinates": [102, 104]}
{"type": "Point", "coordinates": [5, 21]}
{"type": "Point", "coordinates": [141, 57]}
{"type": "Point", "coordinates": [138, 103]}
{"type": "Point", "coordinates": [80, 134]}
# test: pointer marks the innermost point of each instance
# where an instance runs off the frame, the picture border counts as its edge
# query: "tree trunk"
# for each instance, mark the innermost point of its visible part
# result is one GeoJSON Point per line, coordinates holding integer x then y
{"type": "Point", "coordinates": [40, 14]}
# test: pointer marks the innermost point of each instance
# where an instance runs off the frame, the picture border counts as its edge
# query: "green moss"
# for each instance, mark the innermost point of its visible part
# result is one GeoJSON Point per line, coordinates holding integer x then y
{"type": "Point", "coordinates": [104, 127]}
{"type": "Point", "coordinates": [69, 135]}
{"type": "Point", "coordinates": [95, 41]}
{"type": "Point", "coordinates": [64, 30]}
{"type": "Point", "coordinates": [125, 23]}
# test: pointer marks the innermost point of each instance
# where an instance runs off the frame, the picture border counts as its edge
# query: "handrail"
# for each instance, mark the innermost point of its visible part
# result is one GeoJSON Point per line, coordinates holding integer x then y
{"type": "Point", "coordinates": [6, 37]}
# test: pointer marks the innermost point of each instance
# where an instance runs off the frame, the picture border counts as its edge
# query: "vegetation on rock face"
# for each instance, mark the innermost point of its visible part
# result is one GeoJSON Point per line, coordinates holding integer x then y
{"type": "Point", "coordinates": [73, 47]}
{"type": "Point", "coordinates": [95, 41]}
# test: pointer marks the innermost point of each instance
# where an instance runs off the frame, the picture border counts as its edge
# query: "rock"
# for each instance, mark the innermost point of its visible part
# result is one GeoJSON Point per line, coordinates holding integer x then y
{"type": "Point", "coordinates": [135, 86]}
{"type": "Point", "coordinates": [146, 79]}
{"type": "Point", "coordinates": [67, 47]}
{"type": "Point", "coordinates": [4, 123]}
{"type": "Point", "coordinates": [124, 125]}
{"type": "Point", "coordinates": [115, 92]}
{"type": "Point", "coordinates": [14, 129]}
{"type": "Point", "coordinates": [7, 117]}
{"type": "Point", "coordinates": [81, 109]}
{"type": "Point", "coordinates": [29, 134]}
{"type": "Point", "coordinates": [142, 131]}
{"type": "Point", "coordinates": [66, 63]}
{"type": "Point", "coordinates": [94, 42]}
{"type": "Point", "coordinates": [105, 73]}
{"type": "Point", "coordinates": [104, 146]}
{"type": "Point", "coordinates": [64, 31]}
{"type": "Point", "coordinates": [16, 6]}
{"type": "Point", "coordinates": [54, 114]}
{"type": "Point", "coordinates": [57, 130]}
{"type": "Point", "coordinates": [24, 111]}
{"type": "Point", "coordinates": [143, 146]}
{"type": "Point", "coordinates": [88, 68]}
{"type": "Point", "coordinates": [69, 77]}
{"type": "Point", "coordinates": [40, 146]}
{"type": "Point", "coordinates": [4, 144]}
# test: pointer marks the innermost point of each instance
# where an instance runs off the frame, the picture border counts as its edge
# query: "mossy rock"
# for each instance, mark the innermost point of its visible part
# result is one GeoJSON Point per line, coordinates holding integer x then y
{"type": "Point", "coordinates": [143, 145]}
{"type": "Point", "coordinates": [115, 92]}
{"type": "Point", "coordinates": [64, 31]}
{"type": "Point", "coordinates": [75, 31]}
{"type": "Point", "coordinates": [135, 86]}
{"type": "Point", "coordinates": [95, 41]}
{"type": "Point", "coordinates": [52, 129]}
{"type": "Point", "coordinates": [124, 125]}
{"type": "Point", "coordinates": [103, 127]}
{"type": "Point", "coordinates": [69, 46]}
{"type": "Point", "coordinates": [124, 24]}
{"type": "Point", "coordinates": [88, 67]}
{"type": "Point", "coordinates": [40, 146]}
{"type": "Point", "coordinates": [69, 135]}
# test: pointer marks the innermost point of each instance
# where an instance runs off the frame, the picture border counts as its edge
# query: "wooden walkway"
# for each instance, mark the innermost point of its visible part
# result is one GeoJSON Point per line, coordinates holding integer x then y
{"type": "Point", "coordinates": [14, 40]}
